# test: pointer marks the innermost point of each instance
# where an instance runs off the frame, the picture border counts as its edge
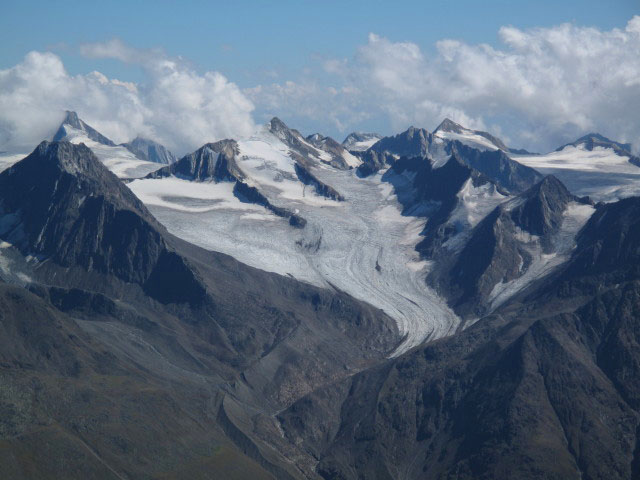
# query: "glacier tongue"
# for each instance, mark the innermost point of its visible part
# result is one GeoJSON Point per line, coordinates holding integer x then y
{"type": "Point", "coordinates": [362, 246]}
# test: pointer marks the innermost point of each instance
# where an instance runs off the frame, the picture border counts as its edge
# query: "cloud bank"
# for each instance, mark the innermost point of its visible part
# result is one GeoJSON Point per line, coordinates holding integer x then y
{"type": "Point", "coordinates": [542, 87]}
{"type": "Point", "coordinates": [177, 106]}
{"type": "Point", "coordinates": [538, 89]}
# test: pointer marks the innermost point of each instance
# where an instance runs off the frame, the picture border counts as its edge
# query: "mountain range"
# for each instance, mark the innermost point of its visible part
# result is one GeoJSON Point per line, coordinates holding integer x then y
{"type": "Point", "coordinates": [423, 305]}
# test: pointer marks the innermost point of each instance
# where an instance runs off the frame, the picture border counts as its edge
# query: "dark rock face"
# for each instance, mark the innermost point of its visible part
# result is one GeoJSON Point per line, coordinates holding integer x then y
{"type": "Point", "coordinates": [77, 213]}
{"type": "Point", "coordinates": [433, 193]}
{"type": "Point", "coordinates": [512, 176]}
{"type": "Point", "coordinates": [250, 194]}
{"type": "Point", "coordinates": [610, 241]}
{"type": "Point", "coordinates": [373, 161]}
{"type": "Point", "coordinates": [494, 253]}
{"type": "Point", "coordinates": [414, 142]}
{"type": "Point", "coordinates": [526, 393]}
{"type": "Point", "coordinates": [150, 151]}
{"type": "Point", "coordinates": [541, 211]}
{"type": "Point", "coordinates": [121, 314]}
{"type": "Point", "coordinates": [306, 177]}
{"type": "Point", "coordinates": [72, 120]}
{"type": "Point", "coordinates": [333, 148]}
{"type": "Point", "coordinates": [213, 161]}
{"type": "Point", "coordinates": [292, 138]}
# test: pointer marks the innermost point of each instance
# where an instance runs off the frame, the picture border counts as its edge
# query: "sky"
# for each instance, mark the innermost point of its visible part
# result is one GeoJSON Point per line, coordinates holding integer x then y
{"type": "Point", "coordinates": [535, 73]}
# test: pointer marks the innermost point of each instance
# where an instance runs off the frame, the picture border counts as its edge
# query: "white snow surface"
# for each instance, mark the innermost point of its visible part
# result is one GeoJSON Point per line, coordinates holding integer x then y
{"type": "Point", "coordinates": [117, 159]}
{"type": "Point", "coordinates": [266, 162]}
{"type": "Point", "coordinates": [191, 197]}
{"type": "Point", "coordinates": [468, 137]}
{"type": "Point", "coordinates": [474, 203]}
{"type": "Point", "coordinates": [361, 145]}
{"type": "Point", "coordinates": [601, 174]}
{"type": "Point", "coordinates": [340, 247]}
{"type": "Point", "coordinates": [351, 159]}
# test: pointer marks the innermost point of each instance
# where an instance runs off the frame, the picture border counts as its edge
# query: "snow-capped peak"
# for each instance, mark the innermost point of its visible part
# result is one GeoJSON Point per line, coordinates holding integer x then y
{"type": "Point", "coordinates": [72, 122]}
{"type": "Point", "coordinates": [146, 149]}
{"type": "Point", "coordinates": [450, 130]}
{"type": "Point", "coordinates": [360, 141]}
{"type": "Point", "coordinates": [448, 125]}
{"type": "Point", "coordinates": [593, 140]}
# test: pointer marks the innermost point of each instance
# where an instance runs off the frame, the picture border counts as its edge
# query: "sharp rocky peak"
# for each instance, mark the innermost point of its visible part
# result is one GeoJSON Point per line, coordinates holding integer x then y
{"type": "Point", "coordinates": [72, 120]}
{"type": "Point", "coordinates": [448, 125]}
{"type": "Point", "coordinates": [277, 125]}
{"type": "Point", "coordinates": [62, 204]}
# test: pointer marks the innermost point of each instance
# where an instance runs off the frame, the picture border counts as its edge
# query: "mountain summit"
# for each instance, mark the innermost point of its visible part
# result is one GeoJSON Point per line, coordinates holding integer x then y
{"type": "Point", "coordinates": [149, 150]}
{"type": "Point", "coordinates": [450, 127]}
{"type": "Point", "coordinates": [71, 120]}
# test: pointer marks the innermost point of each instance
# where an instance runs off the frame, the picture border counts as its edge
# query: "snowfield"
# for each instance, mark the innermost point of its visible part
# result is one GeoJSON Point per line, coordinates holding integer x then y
{"type": "Point", "coordinates": [468, 137]}
{"type": "Point", "coordinates": [117, 159]}
{"type": "Point", "coordinates": [601, 174]}
{"type": "Point", "coordinates": [363, 246]}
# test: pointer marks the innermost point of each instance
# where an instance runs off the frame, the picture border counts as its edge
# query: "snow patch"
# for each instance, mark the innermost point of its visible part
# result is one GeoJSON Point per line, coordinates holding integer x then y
{"type": "Point", "coordinates": [468, 137]}
{"type": "Point", "coordinates": [574, 218]}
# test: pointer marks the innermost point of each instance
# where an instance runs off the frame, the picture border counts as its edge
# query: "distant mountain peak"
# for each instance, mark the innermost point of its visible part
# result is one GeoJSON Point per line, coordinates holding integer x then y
{"type": "Point", "coordinates": [360, 141]}
{"type": "Point", "coordinates": [277, 125]}
{"type": "Point", "coordinates": [592, 140]}
{"type": "Point", "coordinates": [72, 120]}
{"type": "Point", "coordinates": [150, 150]}
{"type": "Point", "coordinates": [448, 125]}
{"type": "Point", "coordinates": [451, 127]}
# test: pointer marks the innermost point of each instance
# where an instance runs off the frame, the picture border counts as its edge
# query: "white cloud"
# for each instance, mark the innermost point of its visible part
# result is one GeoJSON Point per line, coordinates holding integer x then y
{"type": "Point", "coordinates": [539, 88]}
{"type": "Point", "coordinates": [542, 87]}
{"type": "Point", "coordinates": [176, 106]}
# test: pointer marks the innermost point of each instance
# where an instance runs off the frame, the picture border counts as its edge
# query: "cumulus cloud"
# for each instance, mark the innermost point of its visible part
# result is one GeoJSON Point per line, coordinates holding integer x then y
{"type": "Point", "coordinates": [540, 88]}
{"type": "Point", "coordinates": [175, 105]}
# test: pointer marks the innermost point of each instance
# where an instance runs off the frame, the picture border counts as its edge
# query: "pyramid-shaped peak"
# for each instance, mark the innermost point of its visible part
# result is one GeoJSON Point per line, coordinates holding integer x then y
{"type": "Point", "coordinates": [551, 181]}
{"type": "Point", "coordinates": [54, 164]}
{"type": "Point", "coordinates": [66, 156]}
{"type": "Point", "coordinates": [72, 120]}
{"type": "Point", "coordinates": [275, 124]}
{"type": "Point", "coordinates": [448, 125]}
{"type": "Point", "coordinates": [551, 185]}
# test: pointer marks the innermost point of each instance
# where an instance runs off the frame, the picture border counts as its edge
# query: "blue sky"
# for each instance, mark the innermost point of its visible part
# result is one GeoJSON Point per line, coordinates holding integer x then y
{"type": "Point", "coordinates": [249, 41]}
{"type": "Point", "coordinates": [273, 51]}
